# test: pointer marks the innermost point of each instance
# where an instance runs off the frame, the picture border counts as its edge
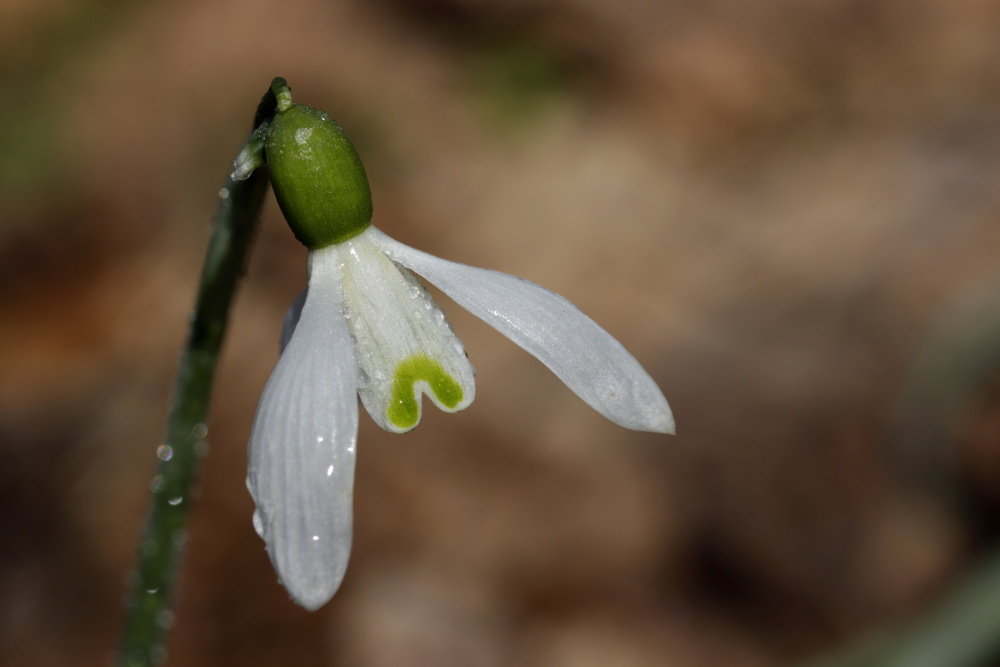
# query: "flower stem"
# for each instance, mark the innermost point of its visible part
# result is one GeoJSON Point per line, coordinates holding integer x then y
{"type": "Point", "coordinates": [148, 610]}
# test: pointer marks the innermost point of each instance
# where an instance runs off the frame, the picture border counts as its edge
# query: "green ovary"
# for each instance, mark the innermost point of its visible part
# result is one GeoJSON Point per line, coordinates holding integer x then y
{"type": "Point", "coordinates": [404, 410]}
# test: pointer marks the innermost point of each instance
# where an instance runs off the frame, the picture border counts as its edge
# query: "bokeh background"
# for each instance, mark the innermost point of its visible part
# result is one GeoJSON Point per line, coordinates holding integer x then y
{"type": "Point", "coordinates": [788, 211]}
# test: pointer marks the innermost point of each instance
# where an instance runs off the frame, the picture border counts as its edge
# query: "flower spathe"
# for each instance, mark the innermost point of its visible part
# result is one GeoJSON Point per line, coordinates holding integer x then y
{"type": "Point", "coordinates": [365, 327]}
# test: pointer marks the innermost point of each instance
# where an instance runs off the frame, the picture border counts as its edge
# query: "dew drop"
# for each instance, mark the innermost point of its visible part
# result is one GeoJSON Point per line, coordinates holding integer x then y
{"type": "Point", "coordinates": [315, 538]}
{"type": "Point", "coordinates": [175, 501]}
{"type": "Point", "coordinates": [164, 452]}
{"type": "Point", "coordinates": [319, 438]}
{"type": "Point", "coordinates": [302, 135]}
{"type": "Point", "coordinates": [224, 193]}
{"type": "Point", "coordinates": [438, 317]}
{"type": "Point", "coordinates": [200, 431]}
{"type": "Point", "coordinates": [413, 291]}
{"type": "Point", "coordinates": [258, 524]}
{"type": "Point", "coordinates": [329, 471]}
{"type": "Point", "coordinates": [152, 591]}
{"type": "Point", "coordinates": [363, 380]}
{"type": "Point", "coordinates": [156, 484]}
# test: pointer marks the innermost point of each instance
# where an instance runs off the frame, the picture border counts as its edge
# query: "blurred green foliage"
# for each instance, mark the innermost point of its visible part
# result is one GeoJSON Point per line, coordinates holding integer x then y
{"type": "Point", "coordinates": [514, 80]}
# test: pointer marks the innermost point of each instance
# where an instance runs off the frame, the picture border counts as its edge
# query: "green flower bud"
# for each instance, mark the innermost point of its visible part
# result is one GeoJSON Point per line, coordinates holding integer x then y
{"type": "Point", "coordinates": [317, 176]}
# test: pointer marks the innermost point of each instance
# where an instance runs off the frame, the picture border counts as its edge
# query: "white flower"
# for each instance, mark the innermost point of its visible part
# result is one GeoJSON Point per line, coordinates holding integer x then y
{"type": "Point", "coordinates": [366, 327]}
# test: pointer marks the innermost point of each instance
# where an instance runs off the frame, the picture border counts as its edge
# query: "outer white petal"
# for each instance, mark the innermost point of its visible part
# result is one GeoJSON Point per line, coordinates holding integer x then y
{"type": "Point", "coordinates": [302, 446]}
{"type": "Point", "coordinates": [583, 355]}
{"type": "Point", "coordinates": [404, 343]}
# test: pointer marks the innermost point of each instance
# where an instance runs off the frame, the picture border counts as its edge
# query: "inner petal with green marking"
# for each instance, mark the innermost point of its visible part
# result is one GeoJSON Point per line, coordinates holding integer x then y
{"type": "Point", "coordinates": [404, 408]}
{"type": "Point", "coordinates": [404, 345]}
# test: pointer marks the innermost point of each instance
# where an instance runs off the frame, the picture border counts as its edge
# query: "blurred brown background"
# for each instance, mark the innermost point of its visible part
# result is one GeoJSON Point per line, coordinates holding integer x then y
{"type": "Point", "coordinates": [788, 211]}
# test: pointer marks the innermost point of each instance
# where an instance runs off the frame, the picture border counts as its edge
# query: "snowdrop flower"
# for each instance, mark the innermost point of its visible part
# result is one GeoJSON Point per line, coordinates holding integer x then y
{"type": "Point", "coordinates": [365, 327]}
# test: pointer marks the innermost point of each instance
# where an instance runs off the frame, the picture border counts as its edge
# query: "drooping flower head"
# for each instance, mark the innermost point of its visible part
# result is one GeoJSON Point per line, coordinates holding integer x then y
{"type": "Point", "coordinates": [365, 327]}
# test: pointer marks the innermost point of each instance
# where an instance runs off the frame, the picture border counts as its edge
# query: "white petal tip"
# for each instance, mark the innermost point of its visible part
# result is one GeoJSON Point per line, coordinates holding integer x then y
{"type": "Point", "coordinates": [666, 426]}
{"type": "Point", "coordinates": [313, 576]}
{"type": "Point", "coordinates": [313, 598]}
{"type": "Point", "coordinates": [661, 418]}
{"type": "Point", "coordinates": [660, 421]}
{"type": "Point", "coordinates": [641, 407]}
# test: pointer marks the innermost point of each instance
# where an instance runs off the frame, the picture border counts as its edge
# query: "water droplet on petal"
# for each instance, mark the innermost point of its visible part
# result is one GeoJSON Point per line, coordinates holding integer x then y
{"type": "Point", "coordinates": [258, 523]}
{"type": "Point", "coordinates": [152, 591]}
{"type": "Point", "coordinates": [363, 380]}
{"type": "Point", "coordinates": [200, 431]}
{"type": "Point", "coordinates": [413, 291]}
{"type": "Point", "coordinates": [223, 193]}
{"type": "Point", "coordinates": [175, 501]}
{"type": "Point", "coordinates": [319, 438]}
{"type": "Point", "coordinates": [156, 484]}
{"type": "Point", "coordinates": [329, 471]}
{"type": "Point", "coordinates": [164, 452]}
{"type": "Point", "coordinates": [315, 538]}
{"type": "Point", "coordinates": [438, 317]}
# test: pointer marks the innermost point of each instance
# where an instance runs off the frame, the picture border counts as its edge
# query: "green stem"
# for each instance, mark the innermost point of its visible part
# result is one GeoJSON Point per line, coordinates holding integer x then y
{"type": "Point", "coordinates": [148, 612]}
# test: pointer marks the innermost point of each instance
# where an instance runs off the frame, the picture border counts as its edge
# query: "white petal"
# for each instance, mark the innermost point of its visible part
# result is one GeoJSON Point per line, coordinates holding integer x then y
{"type": "Point", "coordinates": [405, 346]}
{"type": "Point", "coordinates": [583, 355]}
{"type": "Point", "coordinates": [302, 446]}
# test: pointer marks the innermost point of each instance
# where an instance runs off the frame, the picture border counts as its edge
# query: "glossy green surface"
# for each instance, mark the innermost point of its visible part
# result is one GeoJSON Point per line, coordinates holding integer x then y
{"type": "Point", "coordinates": [317, 176]}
